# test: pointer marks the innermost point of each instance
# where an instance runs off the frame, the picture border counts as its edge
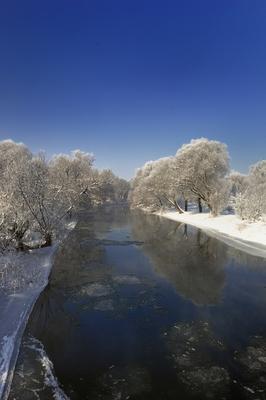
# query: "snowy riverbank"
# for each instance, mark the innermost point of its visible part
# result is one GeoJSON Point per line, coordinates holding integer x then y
{"type": "Point", "coordinates": [248, 237]}
{"type": "Point", "coordinates": [16, 305]}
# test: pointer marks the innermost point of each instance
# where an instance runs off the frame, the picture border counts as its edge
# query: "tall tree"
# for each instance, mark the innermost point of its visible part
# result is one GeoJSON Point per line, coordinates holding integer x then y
{"type": "Point", "coordinates": [202, 166]}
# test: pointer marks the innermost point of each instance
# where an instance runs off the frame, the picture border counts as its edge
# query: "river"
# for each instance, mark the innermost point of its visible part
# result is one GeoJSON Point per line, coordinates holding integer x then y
{"type": "Point", "coordinates": [140, 307]}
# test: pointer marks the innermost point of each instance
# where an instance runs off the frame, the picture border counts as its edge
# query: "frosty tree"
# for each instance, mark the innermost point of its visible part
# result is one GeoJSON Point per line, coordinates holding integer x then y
{"type": "Point", "coordinates": [251, 203]}
{"type": "Point", "coordinates": [36, 195]}
{"type": "Point", "coordinates": [151, 186]}
{"type": "Point", "coordinates": [15, 215]}
{"type": "Point", "coordinates": [202, 165]}
{"type": "Point", "coordinates": [197, 171]}
{"type": "Point", "coordinates": [121, 189]}
{"type": "Point", "coordinates": [141, 195]}
{"type": "Point", "coordinates": [238, 182]}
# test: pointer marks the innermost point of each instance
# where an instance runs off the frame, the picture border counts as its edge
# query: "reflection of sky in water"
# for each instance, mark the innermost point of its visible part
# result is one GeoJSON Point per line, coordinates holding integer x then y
{"type": "Point", "coordinates": [123, 285]}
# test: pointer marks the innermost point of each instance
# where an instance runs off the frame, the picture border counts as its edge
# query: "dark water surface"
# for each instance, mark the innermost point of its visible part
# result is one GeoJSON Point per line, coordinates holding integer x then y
{"type": "Point", "coordinates": [139, 307]}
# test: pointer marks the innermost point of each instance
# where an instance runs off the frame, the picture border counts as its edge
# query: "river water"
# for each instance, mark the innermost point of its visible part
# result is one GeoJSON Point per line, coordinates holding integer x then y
{"type": "Point", "coordinates": [140, 307]}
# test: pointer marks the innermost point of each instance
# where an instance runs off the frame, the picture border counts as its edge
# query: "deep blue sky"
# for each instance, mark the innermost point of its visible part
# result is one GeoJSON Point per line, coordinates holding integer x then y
{"type": "Point", "coordinates": [131, 80]}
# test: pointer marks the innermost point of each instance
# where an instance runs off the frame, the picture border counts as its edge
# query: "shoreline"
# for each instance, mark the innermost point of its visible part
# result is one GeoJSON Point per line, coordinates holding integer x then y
{"type": "Point", "coordinates": [249, 237]}
{"type": "Point", "coordinates": [15, 310]}
{"type": "Point", "coordinates": [19, 306]}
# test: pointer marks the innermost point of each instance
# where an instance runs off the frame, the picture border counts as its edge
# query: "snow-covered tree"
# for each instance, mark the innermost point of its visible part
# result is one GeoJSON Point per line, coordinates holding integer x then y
{"type": "Point", "coordinates": [37, 195]}
{"type": "Point", "coordinates": [202, 166]}
{"type": "Point", "coordinates": [140, 194]}
{"type": "Point", "coordinates": [197, 172]}
{"type": "Point", "coordinates": [151, 187]}
{"type": "Point", "coordinates": [121, 189]}
{"type": "Point", "coordinates": [238, 182]}
{"type": "Point", "coordinates": [164, 181]}
{"type": "Point", "coordinates": [104, 190]}
{"type": "Point", "coordinates": [72, 176]}
{"type": "Point", "coordinates": [251, 203]}
{"type": "Point", "coordinates": [15, 215]}
{"type": "Point", "coordinates": [47, 205]}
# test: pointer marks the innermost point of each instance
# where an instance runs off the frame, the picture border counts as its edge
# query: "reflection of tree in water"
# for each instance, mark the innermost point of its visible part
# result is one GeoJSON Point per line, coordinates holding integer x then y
{"type": "Point", "coordinates": [78, 263]}
{"type": "Point", "coordinates": [79, 275]}
{"type": "Point", "coordinates": [192, 261]}
{"type": "Point", "coordinates": [240, 259]}
{"type": "Point", "coordinates": [80, 259]}
{"type": "Point", "coordinates": [106, 217]}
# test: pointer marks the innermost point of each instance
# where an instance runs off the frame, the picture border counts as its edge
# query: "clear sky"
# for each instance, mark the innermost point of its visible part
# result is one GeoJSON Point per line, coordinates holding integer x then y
{"type": "Point", "coordinates": [131, 80]}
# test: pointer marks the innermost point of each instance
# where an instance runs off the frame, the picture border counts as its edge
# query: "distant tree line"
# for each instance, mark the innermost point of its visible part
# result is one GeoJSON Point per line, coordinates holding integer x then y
{"type": "Point", "coordinates": [37, 195]}
{"type": "Point", "coordinates": [199, 174]}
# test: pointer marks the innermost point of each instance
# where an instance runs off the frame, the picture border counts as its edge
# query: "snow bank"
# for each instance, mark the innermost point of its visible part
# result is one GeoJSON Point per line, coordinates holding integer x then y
{"type": "Point", "coordinates": [16, 305]}
{"type": "Point", "coordinates": [248, 237]}
{"type": "Point", "coordinates": [14, 313]}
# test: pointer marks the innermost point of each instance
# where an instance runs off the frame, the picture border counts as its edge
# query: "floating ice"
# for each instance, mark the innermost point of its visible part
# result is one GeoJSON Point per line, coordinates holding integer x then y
{"type": "Point", "coordinates": [126, 279]}
{"type": "Point", "coordinates": [96, 290]}
{"type": "Point", "coordinates": [104, 305]}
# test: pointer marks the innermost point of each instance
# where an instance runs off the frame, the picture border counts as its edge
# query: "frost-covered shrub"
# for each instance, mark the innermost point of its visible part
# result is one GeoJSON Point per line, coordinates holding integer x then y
{"type": "Point", "coordinates": [251, 204]}
{"type": "Point", "coordinates": [219, 197]}
{"type": "Point", "coordinates": [238, 183]}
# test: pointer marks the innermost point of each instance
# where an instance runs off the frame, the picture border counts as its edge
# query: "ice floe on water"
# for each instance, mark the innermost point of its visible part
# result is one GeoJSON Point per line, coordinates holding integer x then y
{"type": "Point", "coordinates": [191, 348]}
{"type": "Point", "coordinates": [34, 376]}
{"type": "Point", "coordinates": [96, 290]}
{"type": "Point", "coordinates": [252, 361]}
{"type": "Point", "coordinates": [213, 382]}
{"type": "Point", "coordinates": [191, 343]}
{"type": "Point", "coordinates": [127, 279]}
{"type": "Point", "coordinates": [197, 354]}
{"type": "Point", "coordinates": [104, 305]}
{"type": "Point", "coordinates": [123, 383]}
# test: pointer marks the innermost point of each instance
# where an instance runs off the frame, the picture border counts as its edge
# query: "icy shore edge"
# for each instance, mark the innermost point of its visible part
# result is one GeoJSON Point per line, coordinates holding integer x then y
{"type": "Point", "coordinates": [247, 237]}
{"type": "Point", "coordinates": [15, 310]}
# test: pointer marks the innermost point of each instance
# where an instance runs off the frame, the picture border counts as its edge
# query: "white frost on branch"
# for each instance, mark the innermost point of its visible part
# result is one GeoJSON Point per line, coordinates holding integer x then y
{"type": "Point", "coordinates": [196, 173]}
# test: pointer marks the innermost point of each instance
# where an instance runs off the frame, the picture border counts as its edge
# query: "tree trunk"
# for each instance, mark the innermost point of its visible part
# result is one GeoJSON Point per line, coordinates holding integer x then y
{"type": "Point", "coordinates": [199, 205]}
{"type": "Point", "coordinates": [178, 208]}
{"type": "Point", "coordinates": [19, 235]}
{"type": "Point", "coordinates": [186, 205]}
{"type": "Point", "coordinates": [48, 240]}
{"type": "Point", "coordinates": [214, 213]}
{"type": "Point", "coordinates": [20, 245]}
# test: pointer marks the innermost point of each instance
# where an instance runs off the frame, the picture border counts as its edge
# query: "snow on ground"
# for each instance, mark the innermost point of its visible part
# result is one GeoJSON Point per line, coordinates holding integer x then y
{"type": "Point", "coordinates": [18, 294]}
{"type": "Point", "coordinates": [246, 236]}
{"type": "Point", "coordinates": [15, 309]}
